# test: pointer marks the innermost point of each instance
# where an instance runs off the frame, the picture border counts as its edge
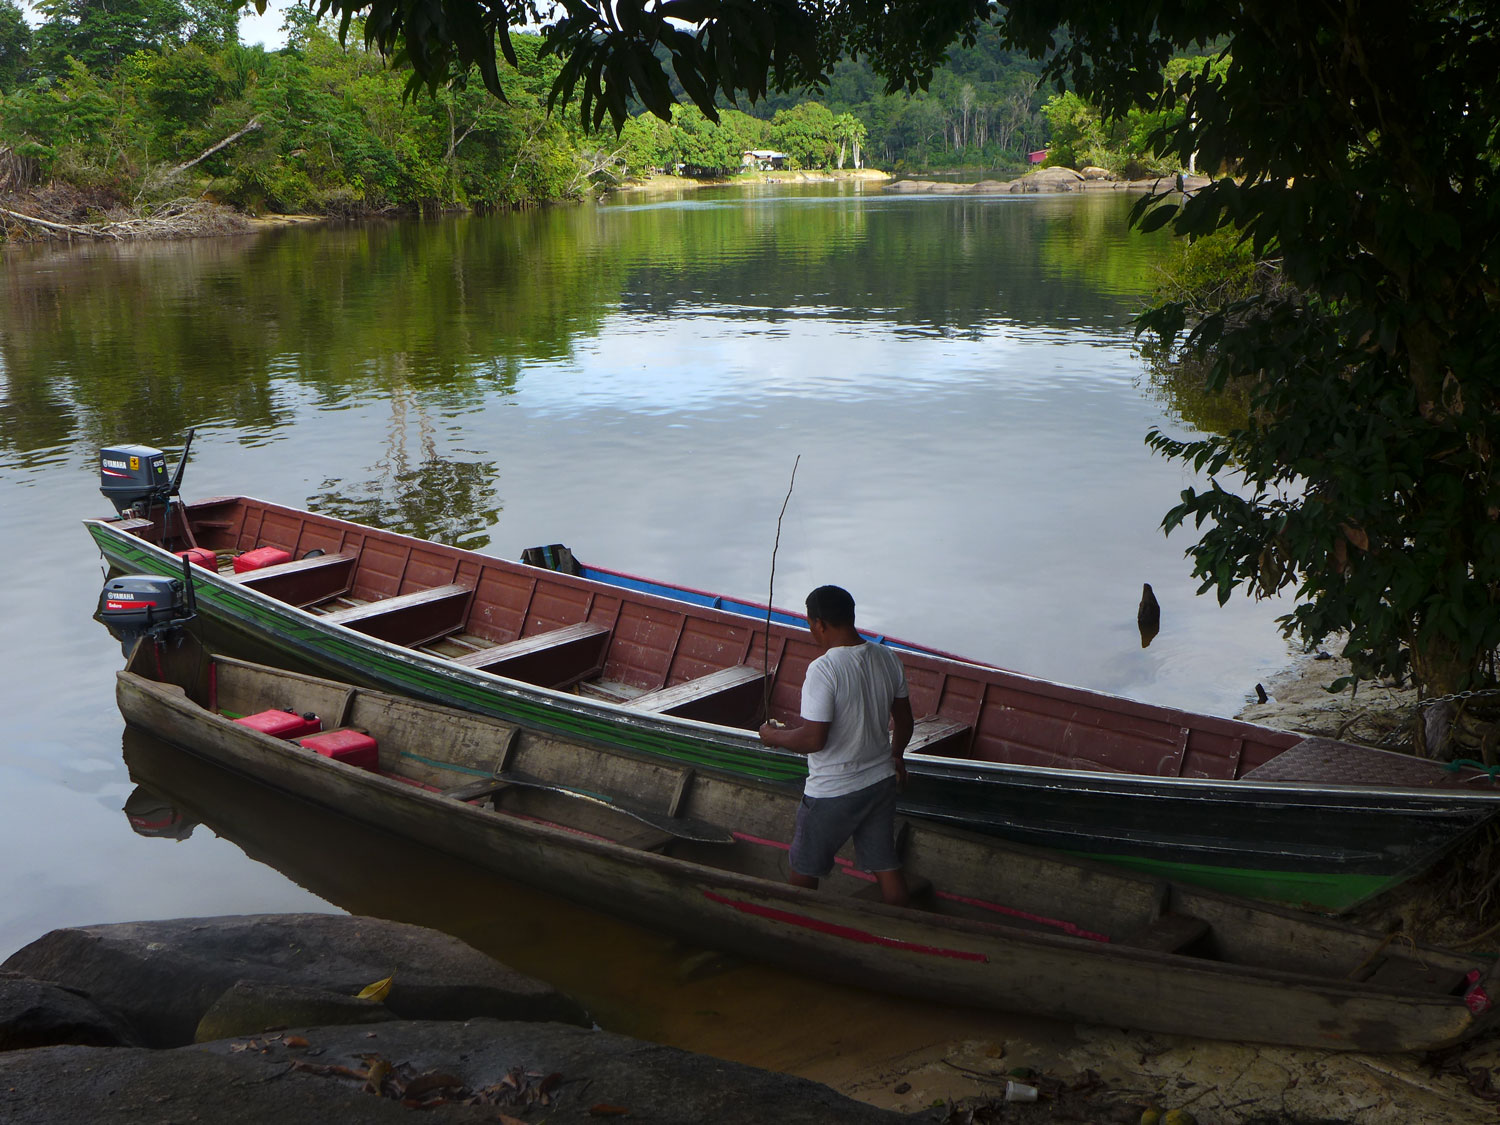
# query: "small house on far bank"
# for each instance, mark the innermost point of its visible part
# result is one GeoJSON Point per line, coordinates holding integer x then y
{"type": "Point", "coordinates": [1036, 157]}
{"type": "Point", "coordinates": [764, 160]}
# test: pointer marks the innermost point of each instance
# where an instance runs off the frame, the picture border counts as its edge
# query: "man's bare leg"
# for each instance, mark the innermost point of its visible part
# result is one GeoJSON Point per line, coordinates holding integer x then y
{"type": "Point", "coordinates": [893, 888]}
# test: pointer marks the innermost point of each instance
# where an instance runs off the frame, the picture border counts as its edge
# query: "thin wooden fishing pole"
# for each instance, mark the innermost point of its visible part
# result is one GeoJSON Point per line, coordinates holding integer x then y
{"type": "Point", "coordinates": [771, 593]}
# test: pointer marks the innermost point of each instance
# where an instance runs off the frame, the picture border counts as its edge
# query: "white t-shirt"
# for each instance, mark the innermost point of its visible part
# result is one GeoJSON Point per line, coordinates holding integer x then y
{"type": "Point", "coordinates": [852, 687]}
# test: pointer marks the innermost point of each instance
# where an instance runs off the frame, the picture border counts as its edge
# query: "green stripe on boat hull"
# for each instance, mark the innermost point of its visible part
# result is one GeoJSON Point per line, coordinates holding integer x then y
{"type": "Point", "coordinates": [1323, 891]}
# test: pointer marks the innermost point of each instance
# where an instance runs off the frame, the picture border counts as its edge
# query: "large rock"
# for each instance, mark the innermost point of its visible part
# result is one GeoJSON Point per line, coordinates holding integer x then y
{"type": "Point", "coordinates": [1048, 179]}
{"type": "Point", "coordinates": [949, 187]}
{"type": "Point", "coordinates": [162, 977]}
{"type": "Point", "coordinates": [35, 1013]}
{"type": "Point", "coordinates": [526, 1071]}
{"type": "Point", "coordinates": [252, 1006]}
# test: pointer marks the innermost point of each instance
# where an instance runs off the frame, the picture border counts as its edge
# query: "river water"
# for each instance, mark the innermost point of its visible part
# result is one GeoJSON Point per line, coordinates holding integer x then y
{"type": "Point", "coordinates": [637, 380]}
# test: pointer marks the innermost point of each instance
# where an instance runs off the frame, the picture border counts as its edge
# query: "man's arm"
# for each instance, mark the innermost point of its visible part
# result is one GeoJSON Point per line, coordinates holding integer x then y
{"type": "Point", "coordinates": [807, 737]}
{"type": "Point", "coordinates": [902, 725]}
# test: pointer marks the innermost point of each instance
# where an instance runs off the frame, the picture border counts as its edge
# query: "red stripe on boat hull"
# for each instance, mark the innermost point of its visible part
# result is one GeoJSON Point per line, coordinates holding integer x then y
{"type": "Point", "coordinates": [849, 933]}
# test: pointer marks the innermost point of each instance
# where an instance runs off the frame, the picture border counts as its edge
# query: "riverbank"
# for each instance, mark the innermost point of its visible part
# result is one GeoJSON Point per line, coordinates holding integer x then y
{"type": "Point", "coordinates": [662, 184]}
{"type": "Point", "coordinates": [1051, 180]}
{"type": "Point", "coordinates": [61, 214]}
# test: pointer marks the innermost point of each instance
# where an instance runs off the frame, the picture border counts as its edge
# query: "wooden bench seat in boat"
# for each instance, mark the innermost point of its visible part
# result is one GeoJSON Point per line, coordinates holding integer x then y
{"type": "Point", "coordinates": [653, 831]}
{"type": "Point", "coordinates": [938, 736]}
{"type": "Point", "coordinates": [731, 696]}
{"type": "Point", "coordinates": [409, 619]}
{"type": "Point", "coordinates": [558, 658]}
{"type": "Point", "coordinates": [303, 582]}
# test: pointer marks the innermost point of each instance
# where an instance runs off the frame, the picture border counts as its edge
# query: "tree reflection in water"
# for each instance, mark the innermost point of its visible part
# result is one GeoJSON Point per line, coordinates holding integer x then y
{"type": "Point", "coordinates": [439, 498]}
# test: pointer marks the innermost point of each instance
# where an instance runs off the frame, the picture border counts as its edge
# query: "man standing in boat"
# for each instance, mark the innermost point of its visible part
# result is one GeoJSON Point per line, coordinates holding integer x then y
{"type": "Point", "coordinates": [856, 722]}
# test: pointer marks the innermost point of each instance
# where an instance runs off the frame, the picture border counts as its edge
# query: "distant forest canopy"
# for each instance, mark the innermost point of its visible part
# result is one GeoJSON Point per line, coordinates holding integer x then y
{"type": "Point", "coordinates": [134, 101]}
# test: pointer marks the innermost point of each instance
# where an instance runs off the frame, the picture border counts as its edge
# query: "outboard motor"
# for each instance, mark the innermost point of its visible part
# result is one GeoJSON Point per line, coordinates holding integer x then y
{"type": "Point", "coordinates": [134, 477]}
{"type": "Point", "coordinates": [145, 605]}
{"type": "Point", "coordinates": [151, 814]}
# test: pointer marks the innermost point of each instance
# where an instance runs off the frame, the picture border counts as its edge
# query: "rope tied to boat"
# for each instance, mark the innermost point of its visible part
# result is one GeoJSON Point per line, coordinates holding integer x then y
{"type": "Point", "coordinates": [1492, 772]}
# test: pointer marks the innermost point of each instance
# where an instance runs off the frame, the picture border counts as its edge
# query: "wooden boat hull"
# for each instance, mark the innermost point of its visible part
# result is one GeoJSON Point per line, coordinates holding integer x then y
{"type": "Point", "coordinates": [1189, 813]}
{"type": "Point", "coordinates": [1296, 990]}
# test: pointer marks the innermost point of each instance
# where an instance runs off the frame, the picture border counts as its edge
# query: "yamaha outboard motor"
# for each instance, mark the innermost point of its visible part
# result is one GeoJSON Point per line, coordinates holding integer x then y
{"type": "Point", "coordinates": [134, 477]}
{"type": "Point", "coordinates": [145, 605]}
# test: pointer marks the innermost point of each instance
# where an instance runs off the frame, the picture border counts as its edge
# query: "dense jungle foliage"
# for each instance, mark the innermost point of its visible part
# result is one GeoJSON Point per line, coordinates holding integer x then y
{"type": "Point", "coordinates": [119, 105]}
{"type": "Point", "coordinates": [122, 105]}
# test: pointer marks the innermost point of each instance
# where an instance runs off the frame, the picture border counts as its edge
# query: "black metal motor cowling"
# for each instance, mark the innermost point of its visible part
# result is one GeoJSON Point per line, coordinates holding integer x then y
{"type": "Point", "coordinates": [133, 476]}
{"type": "Point", "coordinates": [137, 605]}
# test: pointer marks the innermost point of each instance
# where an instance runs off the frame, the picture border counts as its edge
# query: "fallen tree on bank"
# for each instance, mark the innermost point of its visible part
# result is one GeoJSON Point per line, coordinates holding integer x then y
{"type": "Point", "coordinates": [178, 218]}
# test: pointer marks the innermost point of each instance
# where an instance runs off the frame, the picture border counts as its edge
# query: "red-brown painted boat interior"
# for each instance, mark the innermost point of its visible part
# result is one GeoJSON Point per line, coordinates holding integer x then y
{"type": "Point", "coordinates": [654, 643]}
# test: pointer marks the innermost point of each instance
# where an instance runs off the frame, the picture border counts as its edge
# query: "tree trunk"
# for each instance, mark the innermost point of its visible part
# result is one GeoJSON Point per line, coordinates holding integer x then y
{"type": "Point", "coordinates": [1439, 670]}
{"type": "Point", "coordinates": [172, 173]}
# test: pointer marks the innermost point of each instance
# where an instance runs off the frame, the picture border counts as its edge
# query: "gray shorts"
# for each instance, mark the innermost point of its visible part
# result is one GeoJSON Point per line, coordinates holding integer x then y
{"type": "Point", "coordinates": [824, 823]}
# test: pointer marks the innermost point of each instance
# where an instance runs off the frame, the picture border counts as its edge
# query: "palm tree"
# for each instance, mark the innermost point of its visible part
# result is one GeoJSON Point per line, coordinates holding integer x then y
{"type": "Point", "coordinates": [850, 132]}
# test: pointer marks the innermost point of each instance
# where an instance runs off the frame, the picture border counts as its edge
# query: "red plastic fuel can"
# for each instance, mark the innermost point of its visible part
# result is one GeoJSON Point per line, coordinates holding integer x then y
{"type": "Point", "coordinates": [352, 747]}
{"type": "Point", "coordinates": [200, 556]}
{"type": "Point", "coordinates": [283, 724]}
{"type": "Point", "coordinates": [261, 556]}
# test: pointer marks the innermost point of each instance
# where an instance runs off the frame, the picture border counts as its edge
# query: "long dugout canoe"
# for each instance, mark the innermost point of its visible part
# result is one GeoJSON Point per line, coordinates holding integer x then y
{"type": "Point", "coordinates": [701, 855]}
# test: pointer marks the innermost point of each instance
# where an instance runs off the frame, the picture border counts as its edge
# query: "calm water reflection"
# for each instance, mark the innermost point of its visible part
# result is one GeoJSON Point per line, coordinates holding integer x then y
{"type": "Point", "coordinates": [634, 380]}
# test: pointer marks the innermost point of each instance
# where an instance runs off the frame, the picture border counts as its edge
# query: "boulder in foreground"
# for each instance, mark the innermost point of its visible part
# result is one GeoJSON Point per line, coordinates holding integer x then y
{"type": "Point", "coordinates": [37, 1013]}
{"type": "Point", "coordinates": [162, 978]}
{"type": "Point", "coordinates": [454, 1072]}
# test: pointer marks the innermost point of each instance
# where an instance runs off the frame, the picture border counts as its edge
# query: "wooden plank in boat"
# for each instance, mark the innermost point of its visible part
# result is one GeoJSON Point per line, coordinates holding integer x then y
{"type": "Point", "coordinates": [557, 658]}
{"type": "Point", "coordinates": [1412, 974]}
{"type": "Point", "coordinates": [937, 735]}
{"type": "Point", "coordinates": [409, 619]}
{"type": "Point", "coordinates": [681, 827]}
{"type": "Point", "coordinates": [731, 696]}
{"type": "Point", "coordinates": [303, 582]}
{"type": "Point", "coordinates": [476, 790]}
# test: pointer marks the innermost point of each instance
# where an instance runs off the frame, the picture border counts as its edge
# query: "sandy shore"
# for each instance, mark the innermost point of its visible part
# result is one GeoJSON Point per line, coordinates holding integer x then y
{"type": "Point", "coordinates": [1374, 713]}
{"type": "Point", "coordinates": [672, 185]}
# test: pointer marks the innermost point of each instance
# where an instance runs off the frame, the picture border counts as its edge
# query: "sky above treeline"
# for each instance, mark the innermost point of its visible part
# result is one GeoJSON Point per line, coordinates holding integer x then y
{"type": "Point", "coordinates": [254, 27]}
{"type": "Point", "coordinates": [263, 29]}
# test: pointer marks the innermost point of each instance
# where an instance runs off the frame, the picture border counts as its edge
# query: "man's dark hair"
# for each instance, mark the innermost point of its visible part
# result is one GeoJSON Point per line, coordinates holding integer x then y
{"type": "Point", "coordinates": [831, 604]}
